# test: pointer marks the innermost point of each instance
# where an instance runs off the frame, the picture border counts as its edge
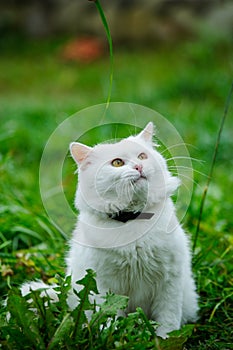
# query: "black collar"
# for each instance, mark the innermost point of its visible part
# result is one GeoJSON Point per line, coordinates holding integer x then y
{"type": "Point", "coordinates": [125, 216]}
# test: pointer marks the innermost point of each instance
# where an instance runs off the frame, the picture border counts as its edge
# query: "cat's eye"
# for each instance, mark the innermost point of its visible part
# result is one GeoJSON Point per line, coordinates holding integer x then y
{"type": "Point", "coordinates": [117, 162]}
{"type": "Point", "coordinates": [142, 156]}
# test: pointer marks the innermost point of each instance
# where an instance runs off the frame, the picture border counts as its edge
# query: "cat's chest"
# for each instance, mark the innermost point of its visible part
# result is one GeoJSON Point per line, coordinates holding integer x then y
{"type": "Point", "coordinates": [130, 268]}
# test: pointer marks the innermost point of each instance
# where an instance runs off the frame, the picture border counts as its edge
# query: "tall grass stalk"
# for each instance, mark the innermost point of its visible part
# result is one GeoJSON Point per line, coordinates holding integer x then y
{"type": "Point", "coordinates": [209, 178]}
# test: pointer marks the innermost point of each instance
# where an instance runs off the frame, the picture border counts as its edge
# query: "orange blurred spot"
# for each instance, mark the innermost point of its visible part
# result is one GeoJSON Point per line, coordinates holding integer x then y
{"type": "Point", "coordinates": [83, 50]}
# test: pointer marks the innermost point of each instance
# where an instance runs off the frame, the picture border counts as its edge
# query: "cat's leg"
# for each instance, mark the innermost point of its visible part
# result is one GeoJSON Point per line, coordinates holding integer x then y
{"type": "Point", "coordinates": [167, 308]}
{"type": "Point", "coordinates": [190, 302]}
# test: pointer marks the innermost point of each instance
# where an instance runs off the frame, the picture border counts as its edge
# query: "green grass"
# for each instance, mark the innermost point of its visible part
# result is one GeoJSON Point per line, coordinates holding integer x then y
{"type": "Point", "coordinates": [188, 83]}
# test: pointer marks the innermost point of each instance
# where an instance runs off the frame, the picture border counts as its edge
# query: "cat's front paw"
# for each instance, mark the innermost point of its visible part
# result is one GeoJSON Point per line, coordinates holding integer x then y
{"type": "Point", "coordinates": [162, 332]}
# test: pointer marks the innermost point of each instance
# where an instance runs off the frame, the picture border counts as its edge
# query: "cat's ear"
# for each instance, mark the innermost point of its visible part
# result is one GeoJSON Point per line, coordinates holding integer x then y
{"type": "Point", "coordinates": [147, 133]}
{"type": "Point", "coordinates": [79, 151]}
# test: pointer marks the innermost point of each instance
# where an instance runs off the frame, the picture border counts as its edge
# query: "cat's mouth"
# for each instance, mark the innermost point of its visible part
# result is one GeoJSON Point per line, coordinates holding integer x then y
{"type": "Point", "coordinates": [133, 178]}
{"type": "Point", "coordinates": [141, 177]}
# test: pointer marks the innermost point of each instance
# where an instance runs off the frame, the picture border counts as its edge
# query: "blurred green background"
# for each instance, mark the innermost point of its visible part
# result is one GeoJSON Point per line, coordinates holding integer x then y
{"type": "Point", "coordinates": [177, 60]}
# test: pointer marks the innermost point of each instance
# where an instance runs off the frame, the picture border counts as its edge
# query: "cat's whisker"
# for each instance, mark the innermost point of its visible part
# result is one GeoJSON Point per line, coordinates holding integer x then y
{"type": "Point", "coordinates": [178, 145]}
{"type": "Point", "coordinates": [180, 166]}
{"type": "Point", "coordinates": [185, 167]}
{"type": "Point", "coordinates": [185, 157]}
{"type": "Point", "coordinates": [108, 188]}
{"type": "Point", "coordinates": [188, 178]}
{"type": "Point", "coordinates": [129, 194]}
{"type": "Point", "coordinates": [186, 186]}
{"type": "Point", "coordinates": [112, 185]}
{"type": "Point", "coordinates": [117, 181]}
{"type": "Point", "coordinates": [132, 184]}
{"type": "Point", "coordinates": [129, 191]}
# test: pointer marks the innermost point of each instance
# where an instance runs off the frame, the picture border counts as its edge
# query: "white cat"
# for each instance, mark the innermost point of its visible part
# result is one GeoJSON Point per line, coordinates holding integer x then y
{"type": "Point", "coordinates": [128, 233]}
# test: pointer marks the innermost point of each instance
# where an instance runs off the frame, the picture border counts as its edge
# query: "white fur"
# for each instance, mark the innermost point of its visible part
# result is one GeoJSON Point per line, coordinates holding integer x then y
{"type": "Point", "coordinates": [147, 260]}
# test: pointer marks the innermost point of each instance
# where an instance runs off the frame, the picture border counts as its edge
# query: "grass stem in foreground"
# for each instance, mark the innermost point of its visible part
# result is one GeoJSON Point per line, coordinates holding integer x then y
{"type": "Point", "coordinates": [109, 37]}
{"type": "Point", "coordinates": [212, 165]}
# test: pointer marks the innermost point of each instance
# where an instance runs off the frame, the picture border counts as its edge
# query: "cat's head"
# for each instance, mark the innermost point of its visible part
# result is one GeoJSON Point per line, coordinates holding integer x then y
{"type": "Point", "coordinates": [129, 175]}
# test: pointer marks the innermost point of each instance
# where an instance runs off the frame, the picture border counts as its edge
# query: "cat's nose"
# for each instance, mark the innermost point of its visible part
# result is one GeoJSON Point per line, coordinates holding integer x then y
{"type": "Point", "coordinates": [138, 167]}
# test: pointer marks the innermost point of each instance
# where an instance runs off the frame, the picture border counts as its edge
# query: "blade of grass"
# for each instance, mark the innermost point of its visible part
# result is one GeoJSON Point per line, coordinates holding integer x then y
{"type": "Point", "coordinates": [209, 178]}
{"type": "Point", "coordinates": [62, 332]}
{"type": "Point", "coordinates": [109, 37]}
{"type": "Point", "coordinates": [219, 304]}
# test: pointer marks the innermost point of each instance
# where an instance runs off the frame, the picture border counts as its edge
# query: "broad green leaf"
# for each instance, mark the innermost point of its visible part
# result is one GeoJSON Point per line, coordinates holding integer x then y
{"type": "Point", "coordinates": [89, 281]}
{"type": "Point", "coordinates": [113, 303]}
{"type": "Point", "coordinates": [176, 339]}
{"type": "Point", "coordinates": [63, 289]}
